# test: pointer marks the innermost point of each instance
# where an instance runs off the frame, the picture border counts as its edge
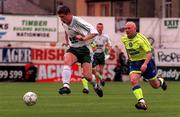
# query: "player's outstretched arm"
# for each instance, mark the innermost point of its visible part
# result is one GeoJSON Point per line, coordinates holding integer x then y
{"type": "Point", "coordinates": [87, 37]}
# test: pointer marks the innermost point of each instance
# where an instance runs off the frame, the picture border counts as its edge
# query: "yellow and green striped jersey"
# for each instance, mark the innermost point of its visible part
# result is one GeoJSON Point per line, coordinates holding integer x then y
{"type": "Point", "coordinates": [137, 47]}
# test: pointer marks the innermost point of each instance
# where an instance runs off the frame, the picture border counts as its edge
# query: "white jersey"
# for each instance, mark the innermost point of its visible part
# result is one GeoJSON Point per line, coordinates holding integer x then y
{"type": "Point", "coordinates": [100, 41]}
{"type": "Point", "coordinates": [78, 27]}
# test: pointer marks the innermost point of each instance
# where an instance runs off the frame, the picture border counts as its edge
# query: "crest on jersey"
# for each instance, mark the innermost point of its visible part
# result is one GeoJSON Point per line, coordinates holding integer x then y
{"type": "Point", "coordinates": [130, 44]}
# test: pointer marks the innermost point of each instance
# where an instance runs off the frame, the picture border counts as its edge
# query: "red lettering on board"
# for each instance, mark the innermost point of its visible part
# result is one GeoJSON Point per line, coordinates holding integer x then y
{"type": "Point", "coordinates": [48, 54]}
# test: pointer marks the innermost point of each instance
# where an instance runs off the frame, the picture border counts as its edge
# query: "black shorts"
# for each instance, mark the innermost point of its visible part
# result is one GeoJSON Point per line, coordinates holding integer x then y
{"type": "Point", "coordinates": [98, 59]}
{"type": "Point", "coordinates": [82, 54]}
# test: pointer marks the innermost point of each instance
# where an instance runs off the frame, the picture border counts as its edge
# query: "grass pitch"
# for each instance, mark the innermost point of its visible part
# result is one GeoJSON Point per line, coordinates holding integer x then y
{"type": "Point", "coordinates": [118, 101]}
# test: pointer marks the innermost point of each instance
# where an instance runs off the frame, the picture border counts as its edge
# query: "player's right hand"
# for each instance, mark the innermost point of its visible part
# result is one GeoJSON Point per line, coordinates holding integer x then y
{"type": "Point", "coordinates": [79, 37]}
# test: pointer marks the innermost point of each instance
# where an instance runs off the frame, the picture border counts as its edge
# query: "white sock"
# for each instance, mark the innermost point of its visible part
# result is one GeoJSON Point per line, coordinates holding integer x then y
{"type": "Point", "coordinates": [66, 75]}
{"type": "Point", "coordinates": [93, 81]}
{"type": "Point", "coordinates": [142, 100]}
{"type": "Point", "coordinates": [66, 85]}
{"type": "Point", "coordinates": [161, 81]}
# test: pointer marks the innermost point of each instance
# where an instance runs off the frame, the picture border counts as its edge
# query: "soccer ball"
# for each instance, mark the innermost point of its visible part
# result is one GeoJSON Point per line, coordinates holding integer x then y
{"type": "Point", "coordinates": [30, 98]}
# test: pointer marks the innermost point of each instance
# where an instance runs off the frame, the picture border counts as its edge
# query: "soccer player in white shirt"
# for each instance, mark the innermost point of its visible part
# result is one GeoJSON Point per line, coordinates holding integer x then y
{"type": "Point", "coordinates": [79, 34]}
{"type": "Point", "coordinates": [102, 42]}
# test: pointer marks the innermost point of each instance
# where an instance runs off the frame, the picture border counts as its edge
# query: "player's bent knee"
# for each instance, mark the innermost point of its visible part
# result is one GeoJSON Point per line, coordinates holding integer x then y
{"type": "Point", "coordinates": [133, 81]}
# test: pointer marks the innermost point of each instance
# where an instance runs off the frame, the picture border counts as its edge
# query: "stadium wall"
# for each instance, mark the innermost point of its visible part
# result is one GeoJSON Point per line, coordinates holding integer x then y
{"type": "Point", "coordinates": [163, 33]}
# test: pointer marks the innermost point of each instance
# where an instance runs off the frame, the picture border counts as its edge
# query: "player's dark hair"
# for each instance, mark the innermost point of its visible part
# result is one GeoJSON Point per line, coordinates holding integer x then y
{"type": "Point", "coordinates": [63, 10]}
{"type": "Point", "coordinates": [100, 24]}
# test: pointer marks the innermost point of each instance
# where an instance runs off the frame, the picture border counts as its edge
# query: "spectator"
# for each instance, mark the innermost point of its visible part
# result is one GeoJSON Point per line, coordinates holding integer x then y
{"type": "Point", "coordinates": [118, 73]}
{"type": "Point", "coordinates": [31, 72]}
{"type": "Point", "coordinates": [121, 67]}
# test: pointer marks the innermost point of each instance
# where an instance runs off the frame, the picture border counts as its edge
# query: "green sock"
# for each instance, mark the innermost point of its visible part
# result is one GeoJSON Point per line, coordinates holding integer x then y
{"type": "Point", "coordinates": [84, 83]}
{"type": "Point", "coordinates": [99, 76]}
{"type": "Point", "coordinates": [137, 91]}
